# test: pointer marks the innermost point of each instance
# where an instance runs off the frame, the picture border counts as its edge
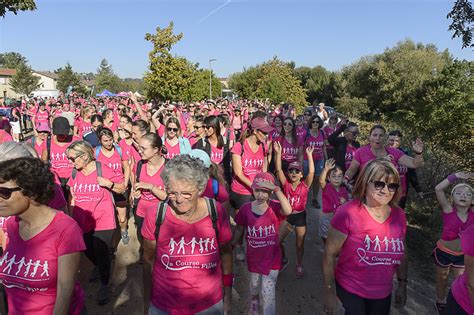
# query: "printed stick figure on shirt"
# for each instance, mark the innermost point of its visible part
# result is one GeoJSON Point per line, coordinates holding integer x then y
{"type": "Point", "coordinates": [254, 231]}
{"type": "Point", "coordinates": [265, 230]}
{"type": "Point", "coordinates": [35, 269]}
{"type": "Point", "coordinates": [386, 242]}
{"type": "Point", "coordinates": [367, 242]}
{"type": "Point", "coordinates": [377, 243]}
{"type": "Point", "coordinates": [181, 246]}
{"type": "Point", "coordinates": [394, 245]}
{"type": "Point", "coordinates": [193, 244]}
{"type": "Point", "coordinates": [28, 265]}
{"type": "Point", "coordinates": [260, 230]}
{"type": "Point", "coordinates": [273, 229]}
{"type": "Point", "coordinates": [201, 245]}
{"type": "Point", "coordinates": [172, 245]}
{"type": "Point", "coordinates": [211, 245]}
{"type": "Point", "coordinates": [45, 269]}
{"type": "Point", "coordinates": [9, 266]}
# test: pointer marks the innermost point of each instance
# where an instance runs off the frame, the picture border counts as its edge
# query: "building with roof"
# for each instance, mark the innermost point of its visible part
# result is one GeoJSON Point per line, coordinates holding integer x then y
{"type": "Point", "coordinates": [5, 89]}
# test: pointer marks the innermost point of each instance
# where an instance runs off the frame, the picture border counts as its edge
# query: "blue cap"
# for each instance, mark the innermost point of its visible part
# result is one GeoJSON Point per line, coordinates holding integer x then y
{"type": "Point", "coordinates": [202, 155]}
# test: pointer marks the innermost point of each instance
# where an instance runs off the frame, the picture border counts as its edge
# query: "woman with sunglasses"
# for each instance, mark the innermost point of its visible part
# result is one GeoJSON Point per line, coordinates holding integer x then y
{"type": "Point", "coordinates": [92, 206]}
{"type": "Point", "coordinates": [174, 142]}
{"type": "Point", "coordinates": [316, 139]}
{"type": "Point", "coordinates": [346, 145]}
{"type": "Point", "coordinates": [198, 132]}
{"type": "Point", "coordinates": [189, 252]}
{"type": "Point", "coordinates": [291, 148]}
{"type": "Point", "coordinates": [365, 246]}
{"type": "Point", "coordinates": [41, 258]}
{"type": "Point", "coordinates": [148, 187]}
{"type": "Point", "coordinates": [457, 216]}
{"type": "Point", "coordinates": [377, 149]}
{"type": "Point", "coordinates": [38, 141]}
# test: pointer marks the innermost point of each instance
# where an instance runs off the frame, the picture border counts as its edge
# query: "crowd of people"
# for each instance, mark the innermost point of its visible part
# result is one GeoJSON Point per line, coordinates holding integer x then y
{"type": "Point", "coordinates": [206, 184]}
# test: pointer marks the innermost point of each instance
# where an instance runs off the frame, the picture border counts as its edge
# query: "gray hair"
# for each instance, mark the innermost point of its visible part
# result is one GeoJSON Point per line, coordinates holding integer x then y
{"type": "Point", "coordinates": [12, 150]}
{"type": "Point", "coordinates": [185, 168]}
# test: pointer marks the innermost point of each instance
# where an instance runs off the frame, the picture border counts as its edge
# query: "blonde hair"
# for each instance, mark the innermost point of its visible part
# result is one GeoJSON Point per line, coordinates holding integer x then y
{"type": "Point", "coordinates": [82, 147]}
{"type": "Point", "coordinates": [376, 169]}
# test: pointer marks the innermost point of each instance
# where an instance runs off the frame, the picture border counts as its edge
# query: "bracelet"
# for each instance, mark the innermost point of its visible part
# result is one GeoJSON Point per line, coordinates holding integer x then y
{"type": "Point", "coordinates": [400, 280]}
{"type": "Point", "coordinates": [452, 178]}
{"type": "Point", "coordinates": [113, 185]}
{"type": "Point", "coordinates": [228, 280]}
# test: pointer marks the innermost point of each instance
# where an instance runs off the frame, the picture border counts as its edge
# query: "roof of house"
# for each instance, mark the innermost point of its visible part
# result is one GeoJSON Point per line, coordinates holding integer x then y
{"type": "Point", "coordinates": [7, 72]}
{"type": "Point", "coordinates": [48, 74]}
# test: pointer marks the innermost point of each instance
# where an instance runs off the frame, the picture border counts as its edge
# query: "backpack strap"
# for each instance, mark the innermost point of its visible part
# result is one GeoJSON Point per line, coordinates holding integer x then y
{"type": "Point", "coordinates": [211, 207]}
{"type": "Point", "coordinates": [119, 150]}
{"type": "Point", "coordinates": [33, 141]}
{"type": "Point", "coordinates": [48, 148]}
{"type": "Point", "coordinates": [160, 217]}
{"type": "Point", "coordinates": [74, 173]}
{"type": "Point", "coordinates": [97, 151]}
{"type": "Point", "coordinates": [98, 167]}
{"type": "Point", "coordinates": [215, 187]}
{"type": "Point", "coordinates": [139, 169]}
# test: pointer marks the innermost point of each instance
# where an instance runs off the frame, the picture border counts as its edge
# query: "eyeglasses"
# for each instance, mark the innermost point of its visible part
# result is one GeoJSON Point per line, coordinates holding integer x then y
{"type": "Point", "coordinates": [263, 132]}
{"type": "Point", "coordinates": [74, 158]}
{"type": "Point", "coordinates": [465, 194]}
{"type": "Point", "coordinates": [197, 127]}
{"type": "Point", "coordinates": [6, 193]}
{"type": "Point", "coordinates": [288, 124]}
{"type": "Point", "coordinates": [185, 194]}
{"type": "Point", "coordinates": [307, 114]}
{"type": "Point", "coordinates": [173, 129]}
{"type": "Point", "coordinates": [294, 171]}
{"type": "Point", "coordinates": [379, 185]}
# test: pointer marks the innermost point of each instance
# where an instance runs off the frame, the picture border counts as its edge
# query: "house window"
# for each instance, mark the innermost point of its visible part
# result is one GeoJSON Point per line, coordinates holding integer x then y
{"type": "Point", "coordinates": [3, 80]}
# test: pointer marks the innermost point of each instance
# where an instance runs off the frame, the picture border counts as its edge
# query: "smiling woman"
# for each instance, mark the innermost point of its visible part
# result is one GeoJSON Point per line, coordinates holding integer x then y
{"type": "Point", "coordinates": [41, 234]}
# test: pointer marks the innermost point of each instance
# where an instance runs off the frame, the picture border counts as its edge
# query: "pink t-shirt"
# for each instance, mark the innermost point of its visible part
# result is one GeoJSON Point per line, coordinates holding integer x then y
{"type": "Point", "coordinates": [453, 226]}
{"type": "Point", "coordinates": [135, 154]}
{"type": "Point", "coordinates": [58, 201]}
{"type": "Point", "coordinates": [42, 118]}
{"type": "Point", "coordinates": [29, 270]}
{"type": "Point", "coordinates": [459, 287]}
{"type": "Point", "coordinates": [275, 133]}
{"type": "Point", "coordinates": [58, 158]}
{"type": "Point", "coordinates": [217, 154]}
{"type": "Point", "coordinates": [222, 194]}
{"type": "Point", "coordinates": [187, 273]}
{"type": "Point", "coordinates": [172, 150]}
{"type": "Point", "coordinates": [327, 132]}
{"type": "Point", "coordinates": [5, 136]}
{"type": "Point", "coordinates": [297, 197]}
{"type": "Point", "coordinates": [289, 151]}
{"type": "Point", "coordinates": [83, 127]}
{"type": "Point", "coordinates": [115, 161]}
{"type": "Point", "coordinates": [372, 251]}
{"type": "Point", "coordinates": [126, 148]}
{"type": "Point", "coordinates": [301, 133]}
{"type": "Point", "coordinates": [147, 199]}
{"type": "Point", "coordinates": [332, 198]}
{"type": "Point", "coordinates": [261, 234]}
{"type": "Point", "coordinates": [350, 150]}
{"type": "Point", "coordinates": [364, 155]}
{"type": "Point", "coordinates": [317, 143]}
{"type": "Point", "coordinates": [94, 209]}
{"type": "Point", "coordinates": [252, 163]}
{"type": "Point", "coordinates": [38, 147]}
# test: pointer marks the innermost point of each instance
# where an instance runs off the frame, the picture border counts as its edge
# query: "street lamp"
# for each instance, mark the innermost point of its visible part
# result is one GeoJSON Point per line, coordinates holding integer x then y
{"type": "Point", "coordinates": [210, 78]}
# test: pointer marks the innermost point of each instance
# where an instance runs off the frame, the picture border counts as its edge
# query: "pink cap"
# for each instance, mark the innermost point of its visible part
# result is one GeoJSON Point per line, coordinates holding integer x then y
{"type": "Point", "coordinates": [261, 124]}
{"type": "Point", "coordinates": [295, 166]}
{"type": "Point", "coordinates": [262, 178]}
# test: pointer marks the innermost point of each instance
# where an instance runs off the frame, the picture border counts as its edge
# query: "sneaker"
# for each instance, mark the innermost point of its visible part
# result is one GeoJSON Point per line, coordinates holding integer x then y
{"type": "Point", "coordinates": [440, 307]}
{"type": "Point", "coordinates": [284, 263]}
{"type": "Point", "coordinates": [103, 295]}
{"type": "Point", "coordinates": [94, 275]}
{"type": "Point", "coordinates": [125, 237]}
{"type": "Point", "coordinates": [299, 271]}
{"type": "Point", "coordinates": [239, 253]}
{"type": "Point", "coordinates": [254, 306]}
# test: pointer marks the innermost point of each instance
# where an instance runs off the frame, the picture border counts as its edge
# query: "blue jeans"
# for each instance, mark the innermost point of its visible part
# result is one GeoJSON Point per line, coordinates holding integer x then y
{"type": "Point", "coordinates": [318, 167]}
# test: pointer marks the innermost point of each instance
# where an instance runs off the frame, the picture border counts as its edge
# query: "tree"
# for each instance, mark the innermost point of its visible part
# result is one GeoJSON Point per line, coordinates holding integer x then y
{"type": "Point", "coordinates": [16, 5]}
{"type": "Point", "coordinates": [321, 85]}
{"type": "Point", "coordinates": [67, 77]}
{"type": "Point", "coordinates": [24, 81]}
{"type": "Point", "coordinates": [462, 16]}
{"type": "Point", "coordinates": [106, 78]}
{"type": "Point", "coordinates": [273, 79]}
{"type": "Point", "coordinates": [12, 60]}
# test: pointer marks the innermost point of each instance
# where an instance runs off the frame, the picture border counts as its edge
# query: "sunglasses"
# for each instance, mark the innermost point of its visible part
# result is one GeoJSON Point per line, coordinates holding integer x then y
{"type": "Point", "coordinates": [6, 193]}
{"type": "Point", "coordinates": [74, 158]}
{"type": "Point", "coordinates": [379, 185]}
{"type": "Point", "coordinates": [197, 127]}
{"type": "Point", "coordinates": [207, 127]}
{"type": "Point", "coordinates": [288, 124]}
{"type": "Point", "coordinates": [294, 171]}
{"type": "Point", "coordinates": [173, 129]}
{"type": "Point", "coordinates": [191, 106]}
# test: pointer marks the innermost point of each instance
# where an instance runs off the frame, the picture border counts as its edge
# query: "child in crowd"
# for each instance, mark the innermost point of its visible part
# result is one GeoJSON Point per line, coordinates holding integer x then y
{"type": "Point", "coordinates": [260, 219]}
{"type": "Point", "coordinates": [335, 194]}
{"type": "Point", "coordinates": [296, 191]}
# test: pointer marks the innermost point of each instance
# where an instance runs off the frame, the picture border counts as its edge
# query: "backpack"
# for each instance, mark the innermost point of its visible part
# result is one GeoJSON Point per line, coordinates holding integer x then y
{"type": "Point", "coordinates": [99, 147]}
{"type": "Point", "coordinates": [98, 166]}
{"type": "Point", "coordinates": [184, 145]}
{"type": "Point", "coordinates": [215, 187]}
{"type": "Point", "coordinates": [161, 213]}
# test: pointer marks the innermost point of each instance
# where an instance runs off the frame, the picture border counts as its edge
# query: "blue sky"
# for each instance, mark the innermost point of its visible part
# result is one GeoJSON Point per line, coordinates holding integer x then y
{"type": "Point", "coordinates": [243, 33]}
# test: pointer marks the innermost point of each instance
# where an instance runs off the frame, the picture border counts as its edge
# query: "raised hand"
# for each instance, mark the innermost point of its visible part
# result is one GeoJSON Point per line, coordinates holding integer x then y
{"type": "Point", "coordinates": [417, 146]}
{"type": "Point", "coordinates": [277, 147]}
{"type": "Point", "coordinates": [331, 163]}
{"type": "Point", "coordinates": [465, 175]}
{"type": "Point", "coordinates": [309, 151]}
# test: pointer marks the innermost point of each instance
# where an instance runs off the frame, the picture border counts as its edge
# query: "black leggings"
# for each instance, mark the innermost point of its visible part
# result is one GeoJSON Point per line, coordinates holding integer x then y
{"type": "Point", "coordinates": [100, 250]}
{"type": "Point", "coordinates": [452, 306]}
{"type": "Point", "coordinates": [356, 305]}
{"type": "Point", "coordinates": [139, 223]}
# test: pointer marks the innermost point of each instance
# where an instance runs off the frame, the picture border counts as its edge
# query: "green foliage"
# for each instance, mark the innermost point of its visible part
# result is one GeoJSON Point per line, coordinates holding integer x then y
{"type": "Point", "coordinates": [106, 78]}
{"type": "Point", "coordinates": [462, 16]}
{"type": "Point", "coordinates": [273, 80]}
{"type": "Point", "coordinates": [172, 77]}
{"type": "Point", "coordinates": [24, 81]}
{"type": "Point", "coordinates": [321, 85]}
{"type": "Point", "coordinates": [12, 60]}
{"type": "Point", "coordinates": [67, 77]}
{"type": "Point", "coordinates": [16, 5]}
{"type": "Point", "coordinates": [352, 107]}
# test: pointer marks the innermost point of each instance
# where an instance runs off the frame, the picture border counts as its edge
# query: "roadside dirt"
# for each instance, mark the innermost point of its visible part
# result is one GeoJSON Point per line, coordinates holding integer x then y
{"type": "Point", "coordinates": [294, 296]}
